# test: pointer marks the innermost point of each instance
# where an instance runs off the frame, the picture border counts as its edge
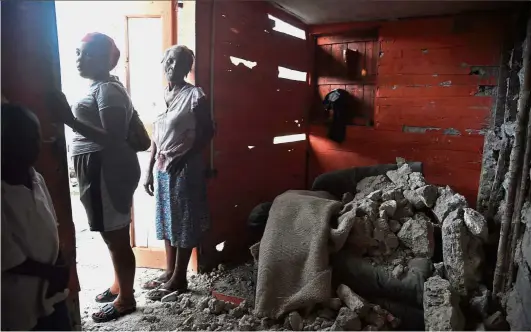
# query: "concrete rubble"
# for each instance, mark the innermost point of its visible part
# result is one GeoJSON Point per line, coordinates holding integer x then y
{"type": "Point", "coordinates": [394, 218]}
{"type": "Point", "coordinates": [441, 306]}
{"type": "Point", "coordinates": [413, 210]}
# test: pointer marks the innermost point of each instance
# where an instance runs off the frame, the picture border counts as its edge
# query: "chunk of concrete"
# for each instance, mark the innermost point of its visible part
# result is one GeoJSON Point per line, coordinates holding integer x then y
{"type": "Point", "coordinates": [389, 207]}
{"type": "Point", "coordinates": [393, 194]}
{"type": "Point", "coordinates": [479, 302]}
{"type": "Point", "coordinates": [347, 320]}
{"type": "Point", "coordinates": [417, 234]}
{"type": "Point", "coordinates": [428, 194]}
{"type": "Point", "coordinates": [439, 270]}
{"type": "Point", "coordinates": [394, 225]}
{"type": "Point", "coordinates": [441, 306]}
{"type": "Point", "coordinates": [416, 180]}
{"type": "Point", "coordinates": [455, 242]}
{"type": "Point", "coordinates": [404, 209]}
{"type": "Point", "coordinates": [375, 195]}
{"type": "Point", "coordinates": [476, 224]}
{"type": "Point", "coordinates": [414, 199]}
{"type": "Point", "coordinates": [447, 202]}
{"type": "Point", "coordinates": [400, 177]}
{"type": "Point", "coordinates": [353, 301]}
{"type": "Point", "coordinates": [370, 184]}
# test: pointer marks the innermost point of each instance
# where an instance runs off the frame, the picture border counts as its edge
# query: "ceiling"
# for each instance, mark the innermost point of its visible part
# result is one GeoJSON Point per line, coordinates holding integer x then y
{"type": "Point", "coordinates": [334, 11]}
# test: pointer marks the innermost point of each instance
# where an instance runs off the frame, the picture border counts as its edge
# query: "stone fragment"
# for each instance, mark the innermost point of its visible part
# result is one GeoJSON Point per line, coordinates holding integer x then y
{"type": "Point", "coordinates": [352, 300]}
{"type": "Point", "coordinates": [347, 320]}
{"type": "Point", "coordinates": [495, 322]}
{"type": "Point", "coordinates": [441, 306]}
{"type": "Point", "coordinates": [479, 302]}
{"type": "Point", "coordinates": [361, 235]}
{"type": "Point", "coordinates": [238, 312]}
{"type": "Point", "coordinates": [414, 199]}
{"type": "Point", "coordinates": [428, 194]}
{"type": "Point", "coordinates": [393, 194]}
{"type": "Point", "coordinates": [266, 323]}
{"type": "Point", "coordinates": [404, 209]}
{"type": "Point", "coordinates": [400, 177]}
{"type": "Point", "coordinates": [447, 202]}
{"type": "Point", "coordinates": [203, 303]}
{"type": "Point", "coordinates": [416, 180]}
{"type": "Point", "coordinates": [246, 323]}
{"type": "Point", "coordinates": [370, 328]}
{"type": "Point", "coordinates": [375, 195]}
{"type": "Point", "coordinates": [417, 235]}
{"type": "Point", "coordinates": [394, 225]}
{"type": "Point", "coordinates": [295, 321]}
{"type": "Point", "coordinates": [216, 306]}
{"type": "Point", "coordinates": [370, 184]}
{"type": "Point", "coordinates": [455, 241]}
{"type": "Point", "coordinates": [398, 271]}
{"type": "Point", "coordinates": [389, 207]}
{"type": "Point", "coordinates": [476, 224]}
{"type": "Point", "coordinates": [347, 198]}
{"type": "Point", "coordinates": [439, 270]}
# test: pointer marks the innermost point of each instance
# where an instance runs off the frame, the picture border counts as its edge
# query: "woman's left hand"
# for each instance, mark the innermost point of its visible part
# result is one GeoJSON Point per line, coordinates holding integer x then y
{"type": "Point", "coordinates": [60, 108]}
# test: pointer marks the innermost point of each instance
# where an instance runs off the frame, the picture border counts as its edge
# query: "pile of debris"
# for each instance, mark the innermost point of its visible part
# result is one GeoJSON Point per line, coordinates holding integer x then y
{"type": "Point", "coordinates": [399, 217]}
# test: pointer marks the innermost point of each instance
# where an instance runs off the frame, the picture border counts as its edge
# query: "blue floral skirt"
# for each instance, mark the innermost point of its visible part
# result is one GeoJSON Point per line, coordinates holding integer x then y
{"type": "Point", "coordinates": [182, 214]}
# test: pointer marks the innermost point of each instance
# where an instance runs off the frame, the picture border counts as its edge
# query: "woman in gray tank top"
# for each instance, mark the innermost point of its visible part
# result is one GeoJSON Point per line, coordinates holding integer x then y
{"type": "Point", "coordinates": [106, 166]}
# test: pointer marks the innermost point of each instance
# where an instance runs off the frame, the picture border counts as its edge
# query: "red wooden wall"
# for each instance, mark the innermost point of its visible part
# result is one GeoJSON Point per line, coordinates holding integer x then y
{"type": "Point", "coordinates": [251, 107]}
{"type": "Point", "coordinates": [430, 102]}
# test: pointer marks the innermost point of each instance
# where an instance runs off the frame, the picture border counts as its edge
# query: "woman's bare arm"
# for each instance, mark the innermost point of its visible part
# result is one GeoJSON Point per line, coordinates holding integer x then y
{"type": "Point", "coordinates": [113, 131]}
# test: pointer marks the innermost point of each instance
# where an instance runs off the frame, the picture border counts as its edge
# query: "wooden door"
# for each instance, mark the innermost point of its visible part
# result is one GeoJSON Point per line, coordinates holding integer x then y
{"type": "Point", "coordinates": [150, 28]}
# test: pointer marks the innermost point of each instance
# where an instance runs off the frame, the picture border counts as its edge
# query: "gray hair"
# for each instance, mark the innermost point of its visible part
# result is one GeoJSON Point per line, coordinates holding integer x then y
{"type": "Point", "coordinates": [190, 57]}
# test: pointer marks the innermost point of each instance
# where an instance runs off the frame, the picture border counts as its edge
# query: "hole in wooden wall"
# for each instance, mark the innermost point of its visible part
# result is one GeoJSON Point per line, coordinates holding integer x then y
{"type": "Point", "coordinates": [236, 61]}
{"type": "Point", "coordinates": [289, 138]}
{"type": "Point", "coordinates": [287, 28]}
{"type": "Point", "coordinates": [291, 74]}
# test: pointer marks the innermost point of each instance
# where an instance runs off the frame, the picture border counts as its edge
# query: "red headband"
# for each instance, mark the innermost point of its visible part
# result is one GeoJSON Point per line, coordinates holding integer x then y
{"type": "Point", "coordinates": [106, 43]}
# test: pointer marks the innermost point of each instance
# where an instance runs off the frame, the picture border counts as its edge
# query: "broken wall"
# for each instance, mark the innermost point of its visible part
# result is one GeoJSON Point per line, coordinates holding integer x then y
{"type": "Point", "coordinates": [434, 89]}
{"type": "Point", "coordinates": [239, 53]}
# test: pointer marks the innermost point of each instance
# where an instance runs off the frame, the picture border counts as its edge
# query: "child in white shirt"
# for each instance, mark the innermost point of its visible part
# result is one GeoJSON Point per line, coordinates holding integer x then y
{"type": "Point", "coordinates": [34, 276]}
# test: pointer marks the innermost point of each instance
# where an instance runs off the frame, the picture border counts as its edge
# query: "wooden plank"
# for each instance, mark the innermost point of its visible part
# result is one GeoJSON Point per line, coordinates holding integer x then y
{"type": "Point", "coordinates": [427, 91]}
{"type": "Point", "coordinates": [432, 80]}
{"type": "Point", "coordinates": [349, 37]}
{"type": "Point", "coordinates": [483, 102]}
{"type": "Point", "coordinates": [462, 56]}
{"type": "Point", "coordinates": [365, 136]}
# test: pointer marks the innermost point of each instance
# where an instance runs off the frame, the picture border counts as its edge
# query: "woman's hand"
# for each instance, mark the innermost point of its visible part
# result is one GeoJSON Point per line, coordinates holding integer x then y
{"type": "Point", "coordinates": [60, 108]}
{"type": "Point", "coordinates": [148, 184]}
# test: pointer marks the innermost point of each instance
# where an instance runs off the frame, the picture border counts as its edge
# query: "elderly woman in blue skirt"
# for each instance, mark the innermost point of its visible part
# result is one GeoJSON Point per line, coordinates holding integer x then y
{"type": "Point", "coordinates": [176, 174]}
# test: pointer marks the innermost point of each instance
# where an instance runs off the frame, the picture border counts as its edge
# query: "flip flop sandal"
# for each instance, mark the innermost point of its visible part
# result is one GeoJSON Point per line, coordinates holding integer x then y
{"type": "Point", "coordinates": [157, 294]}
{"type": "Point", "coordinates": [152, 284]}
{"type": "Point", "coordinates": [106, 296]}
{"type": "Point", "coordinates": [108, 312]}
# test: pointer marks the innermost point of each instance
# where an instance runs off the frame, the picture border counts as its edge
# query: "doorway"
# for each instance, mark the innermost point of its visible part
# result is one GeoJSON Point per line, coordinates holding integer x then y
{"type": "Point", "coordinates": [141, 30]}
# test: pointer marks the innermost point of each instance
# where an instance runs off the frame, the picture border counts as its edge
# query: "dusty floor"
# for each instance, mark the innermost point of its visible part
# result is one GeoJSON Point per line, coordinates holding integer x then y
{"type": "Point", "coordinates": [193, 311]}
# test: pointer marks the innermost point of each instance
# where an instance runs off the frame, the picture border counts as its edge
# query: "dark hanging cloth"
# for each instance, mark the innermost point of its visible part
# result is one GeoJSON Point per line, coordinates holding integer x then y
{"type": "Point", "coordinates": [336, 102]}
